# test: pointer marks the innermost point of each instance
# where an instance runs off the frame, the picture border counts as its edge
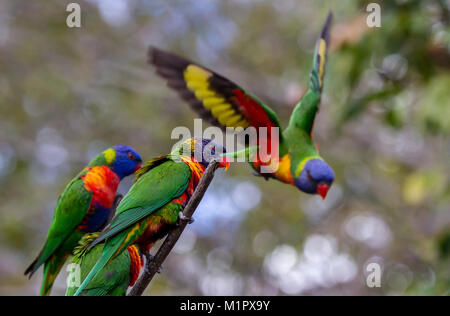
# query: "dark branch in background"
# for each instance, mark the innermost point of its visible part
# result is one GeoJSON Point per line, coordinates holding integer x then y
{"type": "Point", "coordinates": [153, 264]}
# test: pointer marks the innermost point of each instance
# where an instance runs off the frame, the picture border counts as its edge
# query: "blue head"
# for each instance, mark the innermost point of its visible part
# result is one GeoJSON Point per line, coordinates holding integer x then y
{"type": "Point", "coordinates": [123, 160]}
{"type": "Point", "coordinates": [315, 178]}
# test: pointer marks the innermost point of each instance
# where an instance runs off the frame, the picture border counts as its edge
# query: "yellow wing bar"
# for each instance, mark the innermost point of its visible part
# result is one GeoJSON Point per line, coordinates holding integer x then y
{"type": "Point", "coordinates": [197, 81]}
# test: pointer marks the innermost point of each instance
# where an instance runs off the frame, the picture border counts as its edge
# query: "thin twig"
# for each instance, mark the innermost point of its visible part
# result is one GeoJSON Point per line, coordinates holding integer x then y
{"type": "Point", "coordinates": [152, 266]}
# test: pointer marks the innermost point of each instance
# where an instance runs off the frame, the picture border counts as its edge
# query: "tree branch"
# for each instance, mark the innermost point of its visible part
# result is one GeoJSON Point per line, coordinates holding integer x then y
{"type": "Point", "coordinates": [153, 264]}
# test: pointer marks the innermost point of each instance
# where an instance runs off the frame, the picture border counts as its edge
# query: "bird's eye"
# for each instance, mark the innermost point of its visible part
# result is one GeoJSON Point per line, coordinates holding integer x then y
{"type": "Point", "coordinates": [131, 156]}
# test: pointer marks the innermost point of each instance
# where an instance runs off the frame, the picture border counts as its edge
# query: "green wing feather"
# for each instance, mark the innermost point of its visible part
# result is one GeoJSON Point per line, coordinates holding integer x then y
{"type": "Point", "coordinates": [150, 165]}
{"type": "Point", "coordinates": [159, 185]}
{"type": "Point", "coordinates": [175, 70]}
{"type": "Point", "coordinates": [320, 56]}
{"type": "Point", "coordinates": [71, 208]}
{"type": "Point", "coordinates": [305, 111]}
{"type": "Point", "coordinates": [213, 97]}
{"type": "Point", "coordinates": [114, 278]}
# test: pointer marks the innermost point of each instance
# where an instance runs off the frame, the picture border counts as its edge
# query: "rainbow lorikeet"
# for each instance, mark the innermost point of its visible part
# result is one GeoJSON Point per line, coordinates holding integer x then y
{"type": "Point", "coordinates": [162, 188]}
{"type": "Point", "coordinates": [225, 104]}
{"type": "Point", "coordinates": [83, 207]}
{"type": "Point", "coordinates": [114, 279]}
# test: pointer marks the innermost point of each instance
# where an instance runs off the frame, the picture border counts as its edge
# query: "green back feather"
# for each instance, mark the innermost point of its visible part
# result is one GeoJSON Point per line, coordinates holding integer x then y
{"type": "Point", "coordinates": [146, 167]}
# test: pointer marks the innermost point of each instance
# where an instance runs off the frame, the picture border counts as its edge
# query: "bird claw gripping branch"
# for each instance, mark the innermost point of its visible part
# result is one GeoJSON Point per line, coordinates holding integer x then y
{"type": "Point", "coordinates": [148, 260]}
{"type": "Point", "coordinates": [181, 217]}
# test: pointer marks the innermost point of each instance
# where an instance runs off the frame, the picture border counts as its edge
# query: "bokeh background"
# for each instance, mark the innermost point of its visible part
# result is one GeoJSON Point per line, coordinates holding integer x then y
{"type": "Point", "coordinates": [384, 124]}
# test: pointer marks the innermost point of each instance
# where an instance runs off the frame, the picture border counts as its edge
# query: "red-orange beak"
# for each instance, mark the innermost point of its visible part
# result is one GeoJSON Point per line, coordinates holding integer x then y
{"type": "Point", "coordinates": [322, 190]}
{"type": "Point", "coordinates": [224, 163]}
{"type": "Point", "coordinates": [138, 166]}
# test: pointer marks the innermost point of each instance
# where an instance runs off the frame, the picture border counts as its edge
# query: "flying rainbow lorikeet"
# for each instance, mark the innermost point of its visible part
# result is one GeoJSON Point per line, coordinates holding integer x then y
{"type": "Point", "coordinates": [114, 279]}
{"type": "Point", "coordinates": [225, 104]}
{"type": "Point", "coordinates": [154, 204]}
{"type": "Point", "coordinates": [83, 207]}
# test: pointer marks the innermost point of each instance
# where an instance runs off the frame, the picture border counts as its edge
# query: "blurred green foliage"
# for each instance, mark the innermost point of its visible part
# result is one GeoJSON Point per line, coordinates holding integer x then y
{"type": "Point", "coordinates": [384, 126]}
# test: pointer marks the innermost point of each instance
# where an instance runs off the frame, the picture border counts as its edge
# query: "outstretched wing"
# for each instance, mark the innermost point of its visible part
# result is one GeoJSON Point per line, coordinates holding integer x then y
{"type": "Point", "coordinates": [320, 57]}
{"type": "Point", "coordinates": [305, 111]}
{"type": "Point", "coordinates": [214, 98]}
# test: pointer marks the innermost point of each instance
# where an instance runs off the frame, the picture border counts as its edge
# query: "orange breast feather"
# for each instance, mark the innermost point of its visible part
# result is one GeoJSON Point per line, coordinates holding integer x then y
{"type": "Point", "coordinates": [103, 183]}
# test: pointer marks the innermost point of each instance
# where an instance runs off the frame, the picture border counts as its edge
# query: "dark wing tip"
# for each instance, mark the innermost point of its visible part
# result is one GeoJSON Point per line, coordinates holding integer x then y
{"type": "Point", "coordinates": [152, 53]}
{"type": "Point", "coordinates": [325, 34]}
{"type": "Point", "coordinates": [322, 45]}
{"type": "Point", "coordinates": [31, 268]}
{"type": "Point", "coordinates": [163, 59]}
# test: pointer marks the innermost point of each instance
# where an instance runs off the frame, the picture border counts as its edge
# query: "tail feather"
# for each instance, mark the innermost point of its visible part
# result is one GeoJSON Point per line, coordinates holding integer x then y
{"type": "Point", "coordinates": [53, 257]}
{"type": "Point", "coordinates": [51, 271]}
{"type": "Point", "coordinates": [44, 255]}
{"type": "Point", "coordinates": [108, 254]}
{"type": "Point", "coordinates": [34, 266]}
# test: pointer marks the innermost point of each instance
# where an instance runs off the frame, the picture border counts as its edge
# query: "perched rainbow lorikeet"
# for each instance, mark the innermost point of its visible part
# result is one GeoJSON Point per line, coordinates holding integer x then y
{"type": "Point", "coordinates": [154, 204]}
{"type": "Point", "coordinates": [115, 278]}
{"type": "Point", "coordinates": [83, 207]}
{"type": "Point", "coordinates": [225, 104]}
